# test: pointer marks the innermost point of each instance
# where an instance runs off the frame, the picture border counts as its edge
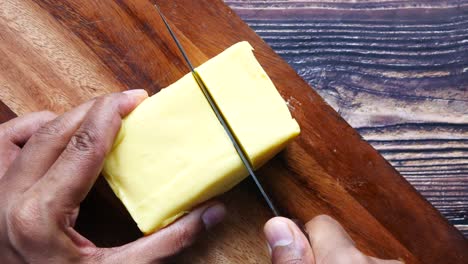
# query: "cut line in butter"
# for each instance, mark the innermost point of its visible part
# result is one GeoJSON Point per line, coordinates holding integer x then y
{"type": "Point", "coordinates": [172, 153]}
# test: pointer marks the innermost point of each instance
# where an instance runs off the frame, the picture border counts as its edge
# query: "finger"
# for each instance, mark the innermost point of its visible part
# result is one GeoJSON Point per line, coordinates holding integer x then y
{"type": "Point", "coordinates": [287, 242]}
{"type": "Point", "coordinates": [8, 154]}
{"type": "Point", "coordinates": [20, 129]}
{"type": "Point", "coordinates": [327, 235]}
{"type": "Point", "coordinates": [43, 148]}
{"type": "Point", "coordinates": [332, 244]}
{"type": "Point", "coordinates": [15, 133]}
{"type": "Point", "coordinates": [71, 177]}
{"type": "Point", "coordinates": [168, 241]}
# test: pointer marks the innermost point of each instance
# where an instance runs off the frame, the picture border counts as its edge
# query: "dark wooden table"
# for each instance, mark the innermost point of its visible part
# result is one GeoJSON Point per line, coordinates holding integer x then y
{"type": "Point", "coordinates": [397, 71]}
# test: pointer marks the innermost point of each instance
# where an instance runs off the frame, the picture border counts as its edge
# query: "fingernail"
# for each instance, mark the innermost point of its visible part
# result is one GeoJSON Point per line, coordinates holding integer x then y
{"type": "Point", "coordinates": [136, 93]}
{"type": "Point", "coordinates": [213, 215]}
{"type": "Point", "coordinates": [279, 235]}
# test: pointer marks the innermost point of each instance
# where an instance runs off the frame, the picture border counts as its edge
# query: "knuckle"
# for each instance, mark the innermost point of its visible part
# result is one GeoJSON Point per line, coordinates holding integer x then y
{"type": "Point", "coordinates": [86, 141]}
{"type": "Point", "coordinates": [50, 129]}
{"type": "Point", "coordinates": [21, 220]}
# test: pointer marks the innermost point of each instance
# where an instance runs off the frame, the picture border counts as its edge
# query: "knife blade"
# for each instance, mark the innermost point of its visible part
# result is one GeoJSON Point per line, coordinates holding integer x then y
{"type": "Point", "coordinates": [234, 140]}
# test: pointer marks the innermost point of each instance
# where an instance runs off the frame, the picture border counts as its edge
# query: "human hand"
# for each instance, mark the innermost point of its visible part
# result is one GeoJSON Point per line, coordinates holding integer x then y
{"type": "Point", "coordinates": [48, 164]}
{"type": "Point", "coordinates": [329, 243]}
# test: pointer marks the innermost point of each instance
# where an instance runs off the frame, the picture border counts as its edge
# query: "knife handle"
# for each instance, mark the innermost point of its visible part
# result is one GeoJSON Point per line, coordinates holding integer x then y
{"type": "Point", "coordinates": [301, 227]}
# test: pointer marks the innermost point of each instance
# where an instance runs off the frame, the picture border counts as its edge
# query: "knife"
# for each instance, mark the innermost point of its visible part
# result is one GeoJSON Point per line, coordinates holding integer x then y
{"type": "Point", "coordinates": [235, 141]}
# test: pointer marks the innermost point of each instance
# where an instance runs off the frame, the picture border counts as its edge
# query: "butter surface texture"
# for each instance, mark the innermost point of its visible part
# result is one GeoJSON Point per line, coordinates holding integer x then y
{"type": "Point", "coordinates": [172, 153]}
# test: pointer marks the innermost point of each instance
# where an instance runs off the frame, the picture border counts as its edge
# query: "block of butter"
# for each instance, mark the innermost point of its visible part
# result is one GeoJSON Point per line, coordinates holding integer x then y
{"type": "Point", "coordinates": [172, 153]}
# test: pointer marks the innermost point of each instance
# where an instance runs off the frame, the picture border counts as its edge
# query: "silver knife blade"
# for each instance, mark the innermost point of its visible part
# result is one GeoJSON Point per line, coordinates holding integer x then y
{"type": "Point", "coordinates": [235, 141]}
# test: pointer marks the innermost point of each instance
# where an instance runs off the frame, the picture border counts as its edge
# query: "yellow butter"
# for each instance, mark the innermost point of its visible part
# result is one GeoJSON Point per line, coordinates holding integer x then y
{"type": "Point", "coordinates": [172, 153]}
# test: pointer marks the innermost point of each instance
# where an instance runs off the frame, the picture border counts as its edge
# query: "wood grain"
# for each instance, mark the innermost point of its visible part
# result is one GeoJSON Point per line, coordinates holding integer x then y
{"type": "Point", "coordinates": [56, 54]}
{"type": "Point", "coordinates": [400, 80]}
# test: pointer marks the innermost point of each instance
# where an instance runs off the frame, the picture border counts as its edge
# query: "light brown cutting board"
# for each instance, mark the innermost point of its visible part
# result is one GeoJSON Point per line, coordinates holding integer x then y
{"type": "Point", "coordinates": [57, 54]}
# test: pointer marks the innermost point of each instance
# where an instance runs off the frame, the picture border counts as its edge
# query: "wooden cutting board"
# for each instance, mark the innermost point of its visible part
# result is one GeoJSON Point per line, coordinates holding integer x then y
{"type": "Point", "coordinates": [57, 54]}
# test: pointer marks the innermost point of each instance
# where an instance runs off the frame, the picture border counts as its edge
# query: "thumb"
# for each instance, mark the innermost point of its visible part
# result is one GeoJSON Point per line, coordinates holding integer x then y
{"type": "Point", "coordinates": [287, 243]}
{"type": "Point", "coordinates": [168, 241]}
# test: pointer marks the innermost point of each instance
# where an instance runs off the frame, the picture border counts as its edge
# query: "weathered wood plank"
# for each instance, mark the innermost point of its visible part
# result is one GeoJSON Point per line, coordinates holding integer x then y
{"type": "Point", "coordinates": [397, 71]}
